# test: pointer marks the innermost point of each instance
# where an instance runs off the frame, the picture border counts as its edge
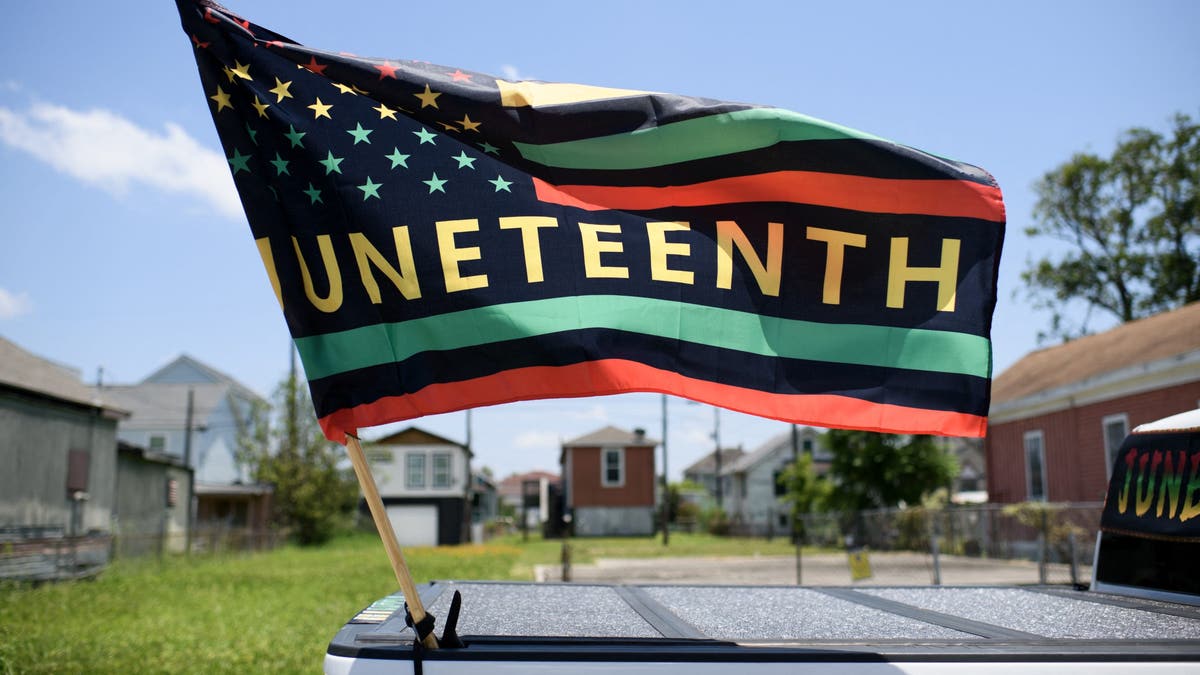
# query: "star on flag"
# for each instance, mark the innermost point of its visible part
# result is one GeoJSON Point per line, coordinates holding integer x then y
{"type": "Point", "coordinates": [332, 158]}
{"type": "Point", "coordinates": [435, 184]}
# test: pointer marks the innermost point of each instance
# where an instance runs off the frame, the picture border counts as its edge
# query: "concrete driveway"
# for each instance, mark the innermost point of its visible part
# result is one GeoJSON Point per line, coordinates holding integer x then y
{"type": "Point", "coordinates": [827, 569]}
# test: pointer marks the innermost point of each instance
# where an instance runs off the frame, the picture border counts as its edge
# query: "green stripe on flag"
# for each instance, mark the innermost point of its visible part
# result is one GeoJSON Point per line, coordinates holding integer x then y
{"type": "Point", "coordinates": [699, 138]}
{"type": "Point", "coordinates": [884, 346]}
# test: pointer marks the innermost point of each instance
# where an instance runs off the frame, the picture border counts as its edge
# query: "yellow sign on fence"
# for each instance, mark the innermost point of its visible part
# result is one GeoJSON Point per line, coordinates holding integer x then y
{"type": "Point", "coordinates": [860, 565]}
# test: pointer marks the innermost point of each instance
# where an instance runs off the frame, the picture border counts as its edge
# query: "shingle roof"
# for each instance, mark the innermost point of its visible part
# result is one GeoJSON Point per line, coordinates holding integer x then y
{"type": "Point", "coordinates": [163, 406]}
{"type": "Point", "coordinates": [23, 370]}
{"type": "Point", "coordinates": [754, 457]}
{"type": "Point", "coordinates": [213, 375]}
{"type": "Point", "coordinates": [1131, 344]}
{"type": "Point", "coordinates": [416, 436]}
{"type": "Point", "coordinates": [611, 435]}
{"type": "Point", "coordinates": [511, 485]}
{"type": "Point", "coordinates": [772, 444]}
{"type": "Point", "coordinates": [708, 463]}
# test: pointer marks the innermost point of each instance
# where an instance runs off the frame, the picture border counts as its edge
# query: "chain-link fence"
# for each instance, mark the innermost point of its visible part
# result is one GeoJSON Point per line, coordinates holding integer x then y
{"type": "Point", "coordinates": [204, 540]}
{"type": "Point", "coordinates": [49, 554]}
{"type": "Point", "coordinates": [987, 543]}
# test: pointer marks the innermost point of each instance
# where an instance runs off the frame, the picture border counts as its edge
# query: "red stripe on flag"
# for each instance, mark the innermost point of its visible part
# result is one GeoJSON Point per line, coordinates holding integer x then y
{"type": "Point", "coordinates": [618, 376]}
{"type": "Point", "coordinates": [955, 198]}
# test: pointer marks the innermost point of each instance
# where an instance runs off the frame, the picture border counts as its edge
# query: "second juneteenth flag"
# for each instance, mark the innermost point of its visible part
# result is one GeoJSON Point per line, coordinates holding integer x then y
{"type": "Point", "coordinates": [441, 239]}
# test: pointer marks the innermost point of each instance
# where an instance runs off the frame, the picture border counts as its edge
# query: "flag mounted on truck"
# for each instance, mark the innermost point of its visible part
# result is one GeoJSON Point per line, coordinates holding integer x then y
{"type": "Point", "coordinates": [440, 239]}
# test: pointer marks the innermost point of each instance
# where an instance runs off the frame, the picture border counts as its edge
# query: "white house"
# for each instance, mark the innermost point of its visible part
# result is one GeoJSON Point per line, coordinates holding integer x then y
{"type": "Point", "coordinates": [424, 482]}
{"type": "Point", "coordinates": [703, 471]}
{"type": "Point", "coordinates": [160, 414]}
{"type": "Point", "coordinates": [753, 499]}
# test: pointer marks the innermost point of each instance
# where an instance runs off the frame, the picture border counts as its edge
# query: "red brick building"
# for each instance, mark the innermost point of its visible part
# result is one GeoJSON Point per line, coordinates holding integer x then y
{"type": "Point", "coordinates": [1059, 414]}
{"type": "Point", "coordinates": [608, 482]}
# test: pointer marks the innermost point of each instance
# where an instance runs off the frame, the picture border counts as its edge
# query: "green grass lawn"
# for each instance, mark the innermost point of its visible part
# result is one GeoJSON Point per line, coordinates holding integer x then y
{"type": "Point", "coordinates": [264, 612]}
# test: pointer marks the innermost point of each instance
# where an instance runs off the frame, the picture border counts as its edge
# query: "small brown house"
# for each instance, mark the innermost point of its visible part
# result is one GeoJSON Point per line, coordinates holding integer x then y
{"type": "Point", "coordinates": [608, 482]}
{"type": "Point", "coordinates": [1058, 415]}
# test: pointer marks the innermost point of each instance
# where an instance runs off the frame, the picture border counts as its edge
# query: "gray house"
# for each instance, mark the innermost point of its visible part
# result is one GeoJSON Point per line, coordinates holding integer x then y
{"type": "Point", "coordinates": [58, 450]}
{"type": "Point", "coordinates": [753, 498]}
{"type": "Point", "coordinates": [703, 471]}
{"type": "Point", "coordinates": [159, 419]}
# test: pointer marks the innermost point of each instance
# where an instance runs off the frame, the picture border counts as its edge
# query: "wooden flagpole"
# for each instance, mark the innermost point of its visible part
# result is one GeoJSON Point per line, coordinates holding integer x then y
{"type": "Point", "coordinates": [384, 526]}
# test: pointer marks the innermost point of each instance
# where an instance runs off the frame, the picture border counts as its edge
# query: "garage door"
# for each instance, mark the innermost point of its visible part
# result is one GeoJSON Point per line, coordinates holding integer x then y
{"type": "Point", "coordinates": [415, 525]}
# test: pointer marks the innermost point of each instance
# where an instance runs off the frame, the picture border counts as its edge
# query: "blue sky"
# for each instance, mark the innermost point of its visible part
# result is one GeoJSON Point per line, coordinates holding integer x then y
{"type": "Point", "coordinates": [122, 243]}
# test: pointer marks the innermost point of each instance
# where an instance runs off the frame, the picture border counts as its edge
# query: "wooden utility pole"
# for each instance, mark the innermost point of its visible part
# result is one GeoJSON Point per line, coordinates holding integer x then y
{"type": "Point", "coordinates": [187, 461]}
{"type": "Point", "coordinates": [717, 456]}
{"type": "Point", "coordinates": [796, 516]}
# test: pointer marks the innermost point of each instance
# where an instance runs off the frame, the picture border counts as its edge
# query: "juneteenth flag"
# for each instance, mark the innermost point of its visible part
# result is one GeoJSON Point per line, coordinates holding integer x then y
{"type": "Point", "coordinates": [441, 239]}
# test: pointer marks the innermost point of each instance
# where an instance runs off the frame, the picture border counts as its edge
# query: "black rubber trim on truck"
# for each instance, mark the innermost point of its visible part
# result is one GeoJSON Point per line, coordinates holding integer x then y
{"type": "Point", "coordinates": [657, 650]}
{"type": "Point", "coordinates": [958, 623]}
{"type": "Point", "coordinates": [1144, 604]}
{"type": "Point", "coordinates": [663, 620]}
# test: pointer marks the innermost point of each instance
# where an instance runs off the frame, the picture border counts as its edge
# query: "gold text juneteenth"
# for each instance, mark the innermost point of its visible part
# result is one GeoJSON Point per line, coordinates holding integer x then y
{"type": "Point", "coordinates": [600, 253]}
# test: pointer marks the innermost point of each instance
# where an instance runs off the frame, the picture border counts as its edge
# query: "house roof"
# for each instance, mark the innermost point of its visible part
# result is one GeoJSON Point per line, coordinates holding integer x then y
{"type": "Point", "coordinates": [185, 369]}
{"type": "Point", "coordinates": [611, 435]}
{"type": "Point", "coordinates": [1131, 344]}
{"type": "Point", "coordinates": [160, 400]}
{"type": "Point", "coordinates": [23, 370]}
{"type": "Point", "coordinates": [762, 452]}
{"type": "Point", "coordinates": [164, 406]}
{"type": "Point", "coordinates": [511, 485]}
{"type": "Point", "coordinates": [416, 436]}
{"type": "Point", "coordinates": [758, 454]}
{"type": "Point", "coordinates": [708, 463]}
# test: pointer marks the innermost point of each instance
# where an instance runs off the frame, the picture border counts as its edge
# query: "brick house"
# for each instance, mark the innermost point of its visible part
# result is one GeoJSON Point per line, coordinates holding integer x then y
{"type": "Point", "coordinates": [608, 482]}
{"type": "Point", "coordinates": [1059, 414]}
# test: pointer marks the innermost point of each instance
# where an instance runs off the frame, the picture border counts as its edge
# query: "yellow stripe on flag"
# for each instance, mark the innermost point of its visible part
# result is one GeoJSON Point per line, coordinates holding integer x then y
{"type": "Point", "coordinates": [537, 94]}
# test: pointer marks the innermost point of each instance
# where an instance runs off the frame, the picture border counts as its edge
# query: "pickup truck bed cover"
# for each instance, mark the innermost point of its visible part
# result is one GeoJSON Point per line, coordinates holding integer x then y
{"type": "Point", "coordinates": [518, 627]}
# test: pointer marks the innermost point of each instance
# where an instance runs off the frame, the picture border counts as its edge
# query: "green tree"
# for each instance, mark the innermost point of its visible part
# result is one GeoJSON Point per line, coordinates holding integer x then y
{"type": "Point", "coordinates": [806, 492]}
{"type": "Point", "coordinates": [1132, 225]}
{"type": "Point", "coordinates": [871, 470]}
{"type": "Point", "coordinates": [288, 451]}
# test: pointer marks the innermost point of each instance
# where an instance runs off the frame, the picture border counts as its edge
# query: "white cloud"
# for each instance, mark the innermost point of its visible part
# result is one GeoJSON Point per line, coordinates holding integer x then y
{"type": "Point", "coordinates": [13, 305]}
{"type": "Point", "coordinates": [104, 149]}
{"type": "Point", "coordinates": [512, 74]}
{"type": "Point", "coordinates": [699, 436]}
{"type": "Point", "coordinates": [536, 440]}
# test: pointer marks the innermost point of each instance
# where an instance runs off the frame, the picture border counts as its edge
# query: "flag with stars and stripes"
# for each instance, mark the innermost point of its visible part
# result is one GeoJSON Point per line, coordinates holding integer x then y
{"type": "Point", "coordinates": [441, 239]}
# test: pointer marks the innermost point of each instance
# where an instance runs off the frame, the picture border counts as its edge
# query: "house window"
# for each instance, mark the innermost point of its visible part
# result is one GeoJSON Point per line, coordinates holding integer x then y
{"type": "Point", "coordinates": [415, 470]}
{"type": "Point", "coordinates": [807, 445]}
{"type": "Point", "coordinates": [158, 443]}
{"type": "Point", "coordinates": [780, 486]}
{"type": "Point", "coordinates": [1035, 466]}
{"type": "Point", "coordinates": [441, 469]}
{"type": "Point", "coordinates": [1116, 427]}
{"type": "Point", "coordinates": [612, 467]}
